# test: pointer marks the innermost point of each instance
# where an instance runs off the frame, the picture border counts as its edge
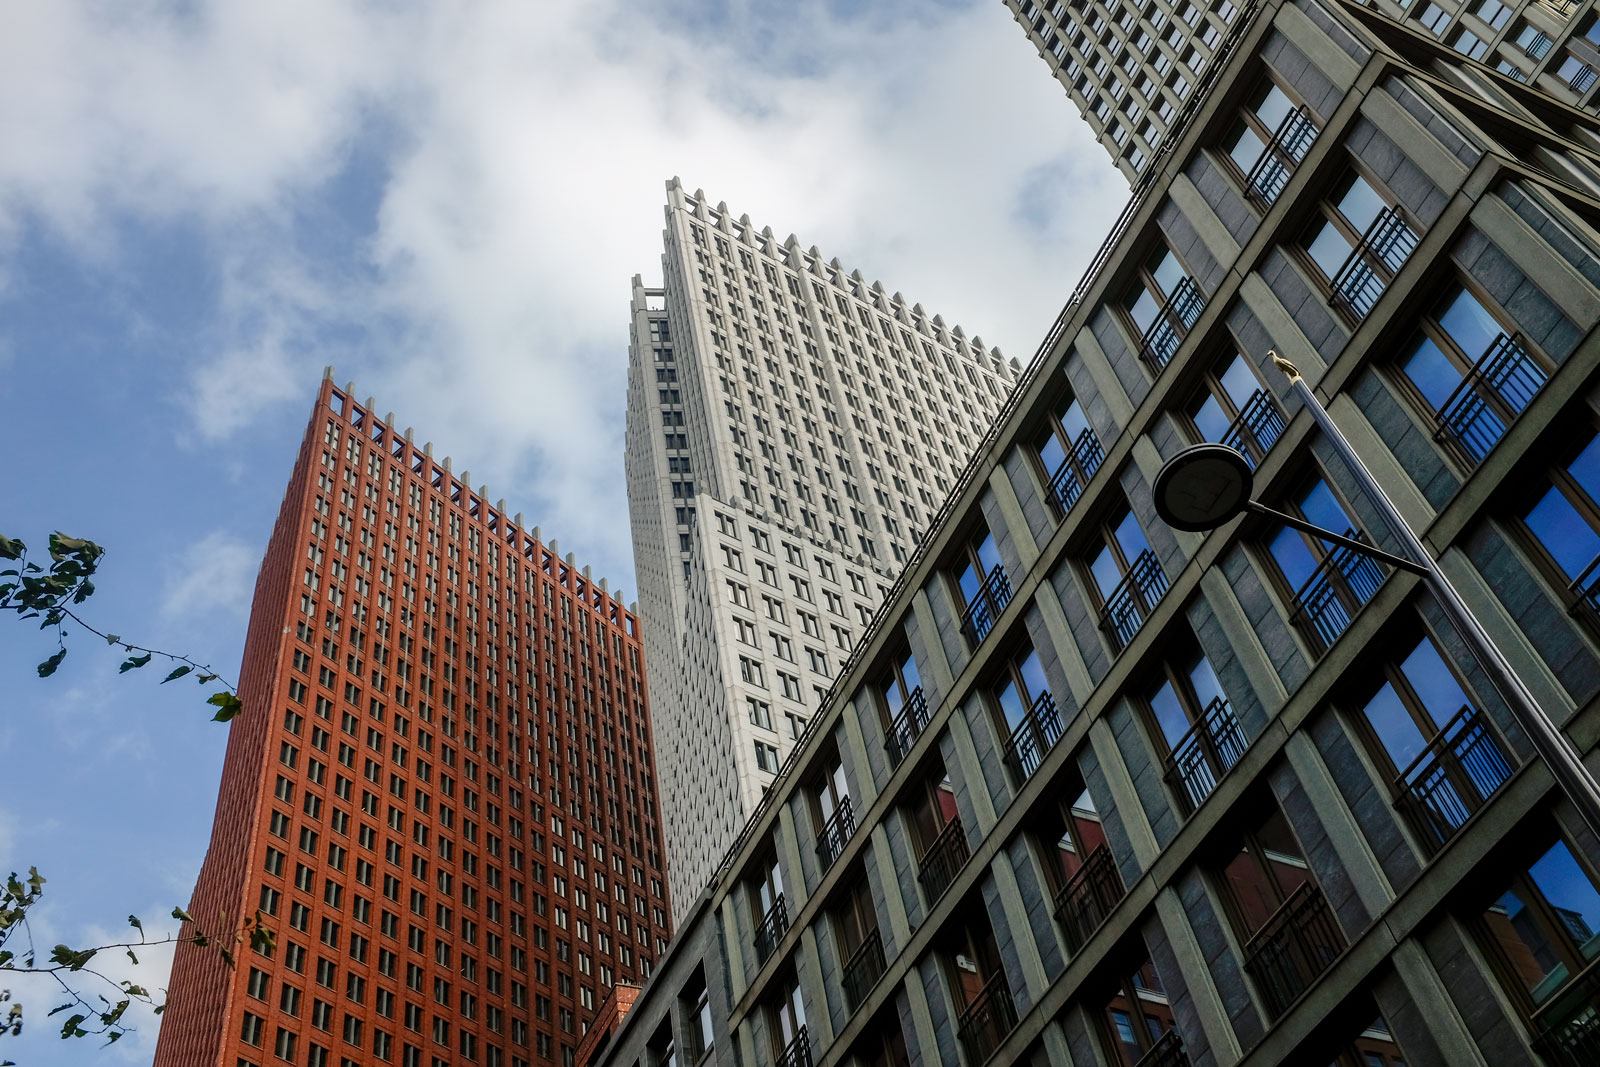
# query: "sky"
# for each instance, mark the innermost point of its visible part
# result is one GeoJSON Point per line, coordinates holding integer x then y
{"type": "Point", "coordinates": [203, 204]}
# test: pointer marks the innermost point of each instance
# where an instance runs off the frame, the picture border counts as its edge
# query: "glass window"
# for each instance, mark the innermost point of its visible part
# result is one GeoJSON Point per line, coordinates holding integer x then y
{"type": "Point", "coordinates": [1544, 923]}
{"type": "Point", "coordinates": [1418, 696]}
{"type": "Point", "coordinates": [1137, 1014]}
{"type": "Point", "coordinates": [1565, 519]}
{"type": "Point", "coordinates": [1121, 543]}
{"type": "Point", "coordinates": [1019, 686]}
{"type": "Point", "coordinates": [1299, 554]}
{"type": "Point", "coordinates": [977, 563]}
{"type": "Point", "coordinates": [1266, 870]}
{"type": "Point", "coordinates": [1347, 214]}
{"type": "Point", "coordinates": [1455, 333]}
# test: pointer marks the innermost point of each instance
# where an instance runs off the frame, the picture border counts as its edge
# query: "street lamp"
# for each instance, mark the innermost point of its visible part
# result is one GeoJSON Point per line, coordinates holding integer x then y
{"type": "Point", "coordinates": [1209, 485]}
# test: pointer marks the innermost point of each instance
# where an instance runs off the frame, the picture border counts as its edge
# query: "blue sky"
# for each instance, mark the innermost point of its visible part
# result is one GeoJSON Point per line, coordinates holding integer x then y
{"type": "Point", "coordinates": [203, 204]}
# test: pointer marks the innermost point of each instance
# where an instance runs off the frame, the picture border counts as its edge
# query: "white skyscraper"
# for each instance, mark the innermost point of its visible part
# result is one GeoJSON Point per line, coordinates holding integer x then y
{"type": "Point", "coordinates": [791, 430]}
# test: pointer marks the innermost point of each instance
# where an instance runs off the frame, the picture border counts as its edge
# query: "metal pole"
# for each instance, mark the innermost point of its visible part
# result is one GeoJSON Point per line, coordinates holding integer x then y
{"type": "Point", "coordinates": [1551, 744]}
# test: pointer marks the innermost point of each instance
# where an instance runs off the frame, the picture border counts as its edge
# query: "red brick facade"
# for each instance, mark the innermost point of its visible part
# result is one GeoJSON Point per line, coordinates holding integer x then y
{"type": "Point", "coordinates": [440, 795]}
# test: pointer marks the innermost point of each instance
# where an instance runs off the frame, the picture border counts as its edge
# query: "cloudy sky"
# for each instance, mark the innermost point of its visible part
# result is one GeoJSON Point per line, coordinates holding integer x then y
{"type": "Point", "coordinates": [202, 204]}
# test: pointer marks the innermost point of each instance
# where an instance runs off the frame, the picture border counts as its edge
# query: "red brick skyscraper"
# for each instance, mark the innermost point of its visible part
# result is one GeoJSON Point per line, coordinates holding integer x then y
{"type": "Point", "coordinates": [440, 794]}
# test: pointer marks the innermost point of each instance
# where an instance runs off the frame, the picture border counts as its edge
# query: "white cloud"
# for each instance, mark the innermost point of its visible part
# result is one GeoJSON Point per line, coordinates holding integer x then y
{"type": "Point", "coordinates": [214, 574]}
{"type": "Point", "coordinates": [515, 154]}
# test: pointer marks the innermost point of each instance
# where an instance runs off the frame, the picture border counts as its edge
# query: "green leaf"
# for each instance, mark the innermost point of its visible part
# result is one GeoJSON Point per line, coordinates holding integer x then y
{"type": "Point", "coordinates": [48, 667]}
{"type": "Point", "coordinates": [10, 549]}
{"type": "Point", "coordinates": [133, 921]}
{"type": "Point", "coordinates": [205, 679]}
{"type": "Point", "coordinates": [134, 661]}
{"type": "Point", "coordinates": [132, 958]}
{"type": "Point", "coordinates": [70, 1027]}
{"type": "Point", "coordinates": [178, 672]}
{"type": "Point", "coordinates": [228, 706]}
{"type": "Point", "coordinates": [112, 639]}
{"type": "Point", "coordinates": [181, 915]}
{"type": "Point", "coordinates": [85, 591]}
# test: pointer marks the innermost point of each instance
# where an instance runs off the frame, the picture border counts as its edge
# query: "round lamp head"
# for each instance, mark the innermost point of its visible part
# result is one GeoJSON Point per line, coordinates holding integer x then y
{"type": "Point", "coordinates": [1203, 487]}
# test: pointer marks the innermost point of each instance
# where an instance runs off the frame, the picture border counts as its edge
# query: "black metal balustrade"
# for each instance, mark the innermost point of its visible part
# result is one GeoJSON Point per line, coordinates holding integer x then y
{"type": "Point", "coordinates": [1256, 428]}
{"type": "Point", "coordinates": [774, 924]}
{"type": "Point", "coordinates": [1293, 948]}
{"type": "Point", "coordinates": [1582, 78]}
{"type": "Point", "coordinates": [1459, 770]}
{"type": "Point", "coordinates": [906, 727]}
{"type": "Point", "coordinates": [1131, 601]}
{"type": "Point", "coordinates": [986, 605]}
{"type": "Point", "coordinates": [1567, 1027]}
{"type": "Point", "coordinates": [1584, 591]}
{"type": "Point", "coordinates": [863, 969]}
{"type": "Point", "coordinates": [839, 828]}
{"type": "Point", "coordinates": [1287, 148]}
{"type": "Point", "coordinates": [1171, 324]}
{"type": "Point", "coordinates": [1070, 479]}
{"type": "Point", "coordinates": [1039, 729]}
{"type": "Point", "coordinates": [1489, 398]}
{"type": "Point", "coordinates": [1343, 582]}
{"type": "Point", "coordinates": [1202, 756]}
{"type": "Point", "coordinates": [1168, 1052]}
{"type": "Point", "coordinates": [943, 860]}
{"type": "Point", "coordinates": [1382, 250]}
{"type": "Point", "coordinates": [1088, 897]}
{"type": "Point", "coordinates": [798, 1053]}
{"type": "Point", "coordinates": [984, 1024]}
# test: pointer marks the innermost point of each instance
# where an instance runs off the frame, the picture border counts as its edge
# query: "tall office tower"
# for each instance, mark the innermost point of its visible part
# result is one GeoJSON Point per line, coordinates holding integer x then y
{"type": "Point", "coordinates": [1130, 69]}
{"type": "Point", "coordinates": [439, 796]}
{"type": "Point", "coordinates": [791, 430]}
{"type": "Point", "coordinates": [1242, 796]}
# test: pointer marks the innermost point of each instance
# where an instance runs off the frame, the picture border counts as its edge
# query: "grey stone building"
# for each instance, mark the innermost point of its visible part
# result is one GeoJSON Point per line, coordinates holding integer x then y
{"type": "Point", "coordinates": [1152, 797]}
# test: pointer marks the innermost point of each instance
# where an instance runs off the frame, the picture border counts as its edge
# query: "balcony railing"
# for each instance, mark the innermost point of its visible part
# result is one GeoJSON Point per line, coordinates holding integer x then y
{"type": "Point", "coordinates": [1171, 324]}
{"type": "Point", "coordinates": [1070, 479]}
{"type": "Point", "coordinates": [1168, 1052]}
{"type": "Point", "coordinates": [1131, 602]}
{"type": "Point", "coordinates": [1039, 729]}
{"type": "Point", "coordinates": [906, 727]}
{"type": "Point", "coordinates": [1584, 591]}
{"type": "Point", "coordinates": [839, 828]}
{"type": "Point", "coordinates": [1581, 79]}
{"type": "Point", "coordinates": [1567, 1028]}
{"type": "Point", "coordinates": [986, 605]}
{"type": "Point", "coordinates": [1088, 897]}
{"type": "Point", "coordinates": [862, 970]}
{"type": "Point", "coordinates": [1491, 395]}
{"type": "Point", "coordinates": [774, 924]}
{"type": "Point", "coordinates": [1279, 158]}
{"type": "Point", "coordinates": [984, 1024]}
{"type": "Point", "coordinates": [943, 860]}
{"type": "Point", "coordinates": [1386, 245]}
{"type": "Point", "coordinates": [1460, 769]}
{"type": "Point", "coordinates": [798, 1052]}
{"type": "Point", "coordinates": [1293, 948]}
{"type": "Point", "coordinates": [1343, 582]}
{"type": "Point", "coordinates": [1256, 428]}
{"type": "Point", "coordinates": [1203, 755]}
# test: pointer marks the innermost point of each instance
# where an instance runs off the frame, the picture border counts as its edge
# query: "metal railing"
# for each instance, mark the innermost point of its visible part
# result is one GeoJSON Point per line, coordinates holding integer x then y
{"type": "Point", "coordinates": [1567, 1027]}
{"type": "Point", "coordinates": [838, 830]}
{"type": "Point", "coordinates": [1342, 583]}
{"type": "Point", "coordinates": [906, 727]}
{"type": "Point", "coordinates": [1488, 399]}
{"type": "Point", "coordinates": [1256, 428]}
{"type": "Point", "coordinates": [1171, 324]}
{"type": "Point", "coordinates": [1585, 592]}
{"type": "Point", "coordinates": [943, 860]}
{"type": "Point", "coordinates": [1088, 897]}
{"type": "Point", "coordinates": [1279, 157]}
{"type": "Point", "coordinates": [1375, 259]}
{"type": "Point", "coordinates": [986, 605]}
{"type": "Point", "coordinates": [1039, 729]}
{"type": "Point", "coordinates": [1168, 1052]}
{"type": "Point", "coordinates": [1582, 78]}
{"type": "Point", "coordinates": [1140, 590]}
{"type": "Point", "coordinates": [984, 1024]}
{"type": "Point", "coordinates": [1202, 756]}
{"type": "Point", "coordinates": [774, 924]}
{"type": "Point", "coordinates": [1459, 770]}
{"type": "Point", "coordinates": [1072, 477]}
{"type": "Point", "coordinates": [1293, 948]}
{"type": "Point", "coordinates": [798, 1052]}
{"type": "Point", "coordinates": [863, 969]}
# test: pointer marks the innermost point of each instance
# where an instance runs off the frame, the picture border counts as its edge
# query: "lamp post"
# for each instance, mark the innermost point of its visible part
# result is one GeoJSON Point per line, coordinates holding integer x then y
{"type": "Point", "coordinates": [1208, 485]}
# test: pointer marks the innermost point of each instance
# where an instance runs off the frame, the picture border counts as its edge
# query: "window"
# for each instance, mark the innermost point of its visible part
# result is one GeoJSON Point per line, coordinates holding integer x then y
{"type": "Point", "coordinates": [981, 580]}
{"type": "Point", "coordinates": [1137, 1017]}
{"type": "Point", "coordinates": [1493, 12]}
{"type": "Point", "coordinates": [760, 712]}
{"type": "Point", "coordinates": [1328, 584]}
{"type": "Point", "coordinates": [855, 929]}
{"type": "Point", "coordinates": [1232, 408]}
{"type": "Point", "coordinates": [1468, 43]}
{"type": "Point", "coordinates": [1358, 242]}
{"type": "Point", "coordinates": [766, 901]}
{"type": "Point", "coordinates": [1564, 520]}
{"type": "Point", "coordinates": [767, 757]}
{"type": "Point", "coordinates": [1470, 373]}
{"type": "Point", "coordinates": [1126, 576]}
{"type": "Point", "coordinates": [1162, 303]}
{"type": "Point", "coordinates": [835, 820]}
{"type": "Point", "coordinates": [1543, 927]}
{"type": "Point", "coordinates": [971, 962]}
{"type": "Point", "coordinates": [1268, 139]}
{"type": "Point", "coordinates": [904, 708]}
{"type": "Point", "coordinates": [1196, 723]}
{"type": "Point", "coordinates": [1433, 18]}
{"type": "Point", "coordinates": [788, 1026]}
{"type": "Point", "coordinates": [1078, 865]}
{"type": "Point", "coordinates": [936, 831]}
{"type": "Point", "coordinates": [1069, 452]}
{"type": "Point", "coordinates": [1026, 713]}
